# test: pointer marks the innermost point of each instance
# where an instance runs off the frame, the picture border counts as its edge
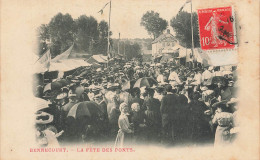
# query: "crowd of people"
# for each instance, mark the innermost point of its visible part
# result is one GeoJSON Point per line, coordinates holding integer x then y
{"type": "Point", "coordinates": [133, 103]}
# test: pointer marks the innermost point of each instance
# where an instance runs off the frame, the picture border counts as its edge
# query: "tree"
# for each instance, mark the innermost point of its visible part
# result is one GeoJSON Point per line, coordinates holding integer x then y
{"type": "Point", "coordinates": [43, 37]}
{"type": "Point", "coordinates": [62, 31]}
{"type": "Point", "coordinates": [100, 46]}
{"type": "Point", "coordinates": [87, 33]}
{"type": "Point", "coordinates": [153, 23]}
{"type": "Point", "coordinates": [131, 49]}
{"type": "Point", "coordinates": [181, 24]}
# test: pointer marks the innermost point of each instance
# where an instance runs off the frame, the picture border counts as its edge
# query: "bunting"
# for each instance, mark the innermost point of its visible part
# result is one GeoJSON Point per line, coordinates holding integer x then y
{"type": "Point", "coordinates": [187, 1]}
{"type": "Point", "coordinates": [102, 10]}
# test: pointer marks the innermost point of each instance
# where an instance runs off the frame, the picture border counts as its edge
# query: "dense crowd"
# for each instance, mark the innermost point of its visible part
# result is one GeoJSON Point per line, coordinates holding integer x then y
{"type": "Point", "coordinates": [133, 103]}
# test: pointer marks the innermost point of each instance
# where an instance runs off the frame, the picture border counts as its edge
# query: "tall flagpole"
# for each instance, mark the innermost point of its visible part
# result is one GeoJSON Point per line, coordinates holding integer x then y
{"type": "Point", "coordinates": [108, 34]}
{"type": "Point", "coordinates": [192, 42]}
{"type": "Point", "coordinates": [118, 43]}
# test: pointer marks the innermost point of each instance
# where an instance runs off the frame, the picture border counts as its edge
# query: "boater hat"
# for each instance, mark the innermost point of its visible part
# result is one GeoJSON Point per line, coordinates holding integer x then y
{"type": "Point", "coordinates": [44, 118]}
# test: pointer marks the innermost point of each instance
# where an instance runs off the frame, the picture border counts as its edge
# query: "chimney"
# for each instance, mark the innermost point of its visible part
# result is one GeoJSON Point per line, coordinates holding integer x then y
{"type": "Point", "coordinates": [168, 31]}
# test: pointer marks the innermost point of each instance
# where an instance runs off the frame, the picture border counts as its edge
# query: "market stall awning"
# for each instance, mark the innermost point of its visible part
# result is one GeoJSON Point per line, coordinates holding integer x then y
{"type": "Point", "coordinates": [67, 65]}
{"type": "Point", "coordinates": [217, 58]}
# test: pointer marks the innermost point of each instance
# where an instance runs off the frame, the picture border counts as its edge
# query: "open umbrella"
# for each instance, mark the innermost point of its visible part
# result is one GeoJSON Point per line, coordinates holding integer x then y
{"type": "Point", "coordinates": [52, 86]}
{"type": "Point", "coordinates": [88, 108]}
{"type": "Point", "coordinates": [146, 81]}
{"type": "Point", "coordinates": [56, 85]}
{"type": "Point", "coordinates": [128, 85]}
{"type": "Point", "coordinates": [68, 106]}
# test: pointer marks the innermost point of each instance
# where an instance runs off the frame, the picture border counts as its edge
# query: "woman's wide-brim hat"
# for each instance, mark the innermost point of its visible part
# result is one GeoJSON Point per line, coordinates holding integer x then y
{"type": "Point", "coordinates": [41, 120]}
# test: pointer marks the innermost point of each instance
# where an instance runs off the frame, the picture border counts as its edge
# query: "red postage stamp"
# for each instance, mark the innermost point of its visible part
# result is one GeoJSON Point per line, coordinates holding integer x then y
{"type": "Point", "coordinates": [217, 28]}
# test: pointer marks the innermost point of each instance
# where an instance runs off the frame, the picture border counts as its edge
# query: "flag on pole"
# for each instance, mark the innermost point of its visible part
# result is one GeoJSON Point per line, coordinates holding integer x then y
{"type": "Point", "coordinates": [63, 55]}
{"type": "Point", "coordinates": [45, 61]}
{"type": "Point", "coordinates": [102, 10]}
{"type": "Point", "coordinates": [187, 1]}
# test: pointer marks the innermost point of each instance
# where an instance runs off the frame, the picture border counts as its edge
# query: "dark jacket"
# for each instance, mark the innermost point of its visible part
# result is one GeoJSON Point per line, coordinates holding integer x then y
{"type": "Point", "coordinates": [169, 104]}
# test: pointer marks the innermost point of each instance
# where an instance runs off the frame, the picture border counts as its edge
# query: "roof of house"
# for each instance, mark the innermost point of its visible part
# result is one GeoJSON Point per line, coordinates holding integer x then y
{"type": "Point", "coordinates": [166, 37]}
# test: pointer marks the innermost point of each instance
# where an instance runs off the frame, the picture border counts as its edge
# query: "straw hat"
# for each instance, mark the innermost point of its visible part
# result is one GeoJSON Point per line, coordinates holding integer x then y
{"type": "Point", "coordinates": [39, 120]}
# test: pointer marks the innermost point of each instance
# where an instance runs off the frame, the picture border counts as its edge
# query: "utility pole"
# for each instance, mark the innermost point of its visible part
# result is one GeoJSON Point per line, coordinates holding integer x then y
{"type": "Point", "coordinates": [118, 44]}
{"type": "Point", "coordinates": [192, 42]}
{"type": "Point", "coordinates": [108, 34]}
{"type": "Point", "coordinates": [124, 51]}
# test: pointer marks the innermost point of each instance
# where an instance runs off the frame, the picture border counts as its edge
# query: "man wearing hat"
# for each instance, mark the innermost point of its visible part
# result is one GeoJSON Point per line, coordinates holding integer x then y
{"type": "Point", "coordinates": [59, 114]}
{"type": "Point", "coordinates": [153, 117]}
{"type": "Point", "coordinates": [160, 78]}
{"type": "Point", "coordinates": [174, 78]}
{"type": "Point", "coordinates": [197, 77]}
{"type": "Point", "coordinates": [46, 135]}
{"type": "Point", "coordinates": [207, 74]}
{"type": "Point", "coordinates": [168, 107]}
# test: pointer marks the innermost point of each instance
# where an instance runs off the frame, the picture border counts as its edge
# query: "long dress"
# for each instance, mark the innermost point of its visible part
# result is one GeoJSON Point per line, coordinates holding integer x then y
{"type": "Point", "coordinates": [224, 121]}
{"type": "Point", "coordinates": [112, 111]}
{"type": "Point", "coordinates": [112, 102]}
{"type": "Point", "coordinates": [124, 128]}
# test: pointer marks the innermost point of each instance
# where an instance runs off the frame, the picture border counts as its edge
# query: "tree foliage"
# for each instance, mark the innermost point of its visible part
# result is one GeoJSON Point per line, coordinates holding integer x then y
{"type": "Point", "coordinates": [62, 31]}
{"type": "Point", "coordinates": [153, 23]}
{"type": "Point", "coordinates": [43, 37]}
{"type": "Point", "coordinates": [87, 33]}
{"type": "Point", "coordinates": [128, 49]}
{"type": "Point", "coordinates": [181, 24]}
{"type": "Point", "coordinates": [100, 46]}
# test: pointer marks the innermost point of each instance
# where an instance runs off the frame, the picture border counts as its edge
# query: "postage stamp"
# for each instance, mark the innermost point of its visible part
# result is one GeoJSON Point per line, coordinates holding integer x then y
{"type": "Point", "coordinates": [217, 28]}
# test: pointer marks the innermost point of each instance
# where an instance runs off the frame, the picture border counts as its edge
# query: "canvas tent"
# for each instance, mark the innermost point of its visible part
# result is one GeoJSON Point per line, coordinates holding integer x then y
{"type": "Point", "coordinates": [62, 56]}
{"type": "Point", "coordinates": [97, 59]}
{"type": "Point", "coordinates": [59, 63]}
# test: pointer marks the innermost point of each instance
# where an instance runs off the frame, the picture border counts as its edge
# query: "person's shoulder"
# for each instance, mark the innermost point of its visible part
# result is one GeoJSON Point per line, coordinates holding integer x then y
{"type": "Point", "coordinates": [156, 100]}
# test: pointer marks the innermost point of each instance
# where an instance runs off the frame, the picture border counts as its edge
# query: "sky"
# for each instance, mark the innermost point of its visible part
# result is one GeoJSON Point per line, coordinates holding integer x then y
{"type": "Point", "coordinates": [125, 14]}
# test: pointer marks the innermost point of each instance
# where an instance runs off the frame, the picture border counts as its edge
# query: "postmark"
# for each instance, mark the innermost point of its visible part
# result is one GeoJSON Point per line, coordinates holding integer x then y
{"type": "Point", "coordinates": [217, 28]}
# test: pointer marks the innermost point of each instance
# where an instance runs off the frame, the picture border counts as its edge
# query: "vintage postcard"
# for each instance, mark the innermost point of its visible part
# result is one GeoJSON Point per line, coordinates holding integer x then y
{"type": "Point", "coordinates": [129, 79]}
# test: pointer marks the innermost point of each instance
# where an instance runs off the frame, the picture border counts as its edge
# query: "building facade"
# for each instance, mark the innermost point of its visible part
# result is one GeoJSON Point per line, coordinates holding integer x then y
{"type": "Point", "coordinates": [164, 44]}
